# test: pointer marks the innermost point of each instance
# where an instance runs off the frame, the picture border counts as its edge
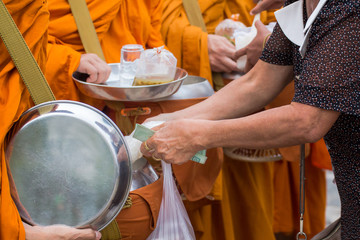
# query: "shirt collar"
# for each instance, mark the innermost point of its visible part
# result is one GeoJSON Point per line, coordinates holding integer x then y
{"type": "Point", "coordinates": [291, 21]}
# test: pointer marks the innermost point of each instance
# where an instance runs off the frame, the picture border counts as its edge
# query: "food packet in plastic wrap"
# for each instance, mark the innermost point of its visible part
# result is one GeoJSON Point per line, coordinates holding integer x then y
{"type": "Point", "coordinates": [155, 66]}
{"type": "Point", "coordinates": [173, 222]}
{"type": "Point", "coordinates": [227, 28]}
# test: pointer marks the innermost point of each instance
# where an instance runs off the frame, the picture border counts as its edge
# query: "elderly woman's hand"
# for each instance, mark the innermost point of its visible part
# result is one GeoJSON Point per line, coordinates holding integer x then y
{"type": "Point", "coordinates": [254, 49]}
{"type": "Point", "coordinates": [97, 69]}
{"type": "Point", "coordinates": [176, 141]}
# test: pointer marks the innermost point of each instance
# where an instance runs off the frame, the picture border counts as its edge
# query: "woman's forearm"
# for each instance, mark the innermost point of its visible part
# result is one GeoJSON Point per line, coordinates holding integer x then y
{"type": "Point", "coordinates": [243, 96]}
{"type": "Point", "coordinates": [279, 127]}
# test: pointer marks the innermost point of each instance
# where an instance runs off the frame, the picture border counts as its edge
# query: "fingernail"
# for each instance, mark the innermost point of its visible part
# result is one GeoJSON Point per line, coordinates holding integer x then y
{"type": "Point", "coordinates": [98, 235]}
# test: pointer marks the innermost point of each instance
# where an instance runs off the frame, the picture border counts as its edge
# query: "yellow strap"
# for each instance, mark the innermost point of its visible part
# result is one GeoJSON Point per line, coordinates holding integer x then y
{"type": "Point", "coordinates": [111, 232]}
{"type": "Point", "coordinates": [123, 122]}
{"type": "Point", "coordinates": [193, 13]}
{"type": "Point", "coordinates": [23, 59]}
{"type": "Point", "coordinates": [218, 81]}
{"type": "Point", "coordinates": [86, 27]}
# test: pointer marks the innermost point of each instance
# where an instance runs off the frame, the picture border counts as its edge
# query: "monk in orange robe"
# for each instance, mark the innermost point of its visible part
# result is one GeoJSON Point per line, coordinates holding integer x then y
{"type": "Point", "coordinates": [31, 17]}
{"type": "Point", "coordinates": [65, 51]}
{"type": "Point", "coordinates": [195, 181]}
{"type": "Point", "coordinates": [200, 52]}
{"type": "Point", "coordinates": [118, 23]}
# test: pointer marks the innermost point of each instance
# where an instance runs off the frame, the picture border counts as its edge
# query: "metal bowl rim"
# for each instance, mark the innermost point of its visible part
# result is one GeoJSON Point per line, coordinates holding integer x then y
{"type": "Point", "coordinates": [127, 191]}
{"type": "Point", "coordinates": [135, 87]}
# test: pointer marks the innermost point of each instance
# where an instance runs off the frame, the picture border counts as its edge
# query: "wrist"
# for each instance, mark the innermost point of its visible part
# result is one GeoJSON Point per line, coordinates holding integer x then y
{"type": "Point", "coordinates": [33, 232]}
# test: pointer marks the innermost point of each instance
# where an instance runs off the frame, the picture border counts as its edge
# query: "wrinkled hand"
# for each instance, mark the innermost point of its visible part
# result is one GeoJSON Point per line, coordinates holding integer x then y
{"type": "Point", "coordinates": [60, 232]}
{"type": "Point", "coordinates": [221, 54]}
{"type": "Point", "coordinates": [266, 5]}
{"type": "Point", "coordinates": [254, 49]}
{"type": "Point", "coordinates": [91, 64]}
{"type": "Point", "coordinates": [175, 141]}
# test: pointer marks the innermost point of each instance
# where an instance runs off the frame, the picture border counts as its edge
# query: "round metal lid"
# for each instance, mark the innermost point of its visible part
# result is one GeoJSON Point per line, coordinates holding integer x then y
{"type": "Point", "coordinates": [70, 165]}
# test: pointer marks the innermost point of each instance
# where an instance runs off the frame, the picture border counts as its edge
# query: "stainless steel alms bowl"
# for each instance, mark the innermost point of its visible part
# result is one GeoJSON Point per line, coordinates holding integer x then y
{"type": "Point", "coordinates": [70, 165]}
{"type": "Point", "coordinates": [112, 91]}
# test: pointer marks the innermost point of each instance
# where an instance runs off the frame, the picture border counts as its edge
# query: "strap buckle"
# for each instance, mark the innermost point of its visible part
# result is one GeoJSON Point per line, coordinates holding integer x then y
{"type": "Point", "coordinates": [139, 111]}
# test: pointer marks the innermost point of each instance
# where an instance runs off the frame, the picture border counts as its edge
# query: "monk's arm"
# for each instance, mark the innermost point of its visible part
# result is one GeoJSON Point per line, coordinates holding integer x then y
{"type": "Point", "coordinates": [63, 61]}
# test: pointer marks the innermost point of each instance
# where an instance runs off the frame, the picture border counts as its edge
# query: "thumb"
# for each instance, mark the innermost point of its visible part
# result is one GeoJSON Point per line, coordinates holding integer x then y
{"type": "Point", "coordinates": [240, 52]}
{"type": "Point", "coordinates": [260, 26]}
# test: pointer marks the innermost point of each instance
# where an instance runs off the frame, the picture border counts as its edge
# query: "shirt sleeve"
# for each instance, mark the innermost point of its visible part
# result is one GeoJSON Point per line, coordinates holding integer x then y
{"type": "Point", "coordinates": [278, 49]}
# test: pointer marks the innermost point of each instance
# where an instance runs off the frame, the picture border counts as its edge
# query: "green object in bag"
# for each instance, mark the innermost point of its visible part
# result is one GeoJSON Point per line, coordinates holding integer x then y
{"type": "Point", "coordinates": [143, 133]}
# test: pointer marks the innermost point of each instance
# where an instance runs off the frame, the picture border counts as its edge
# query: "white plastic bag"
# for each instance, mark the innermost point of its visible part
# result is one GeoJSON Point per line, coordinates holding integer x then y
{"type": "Point", "coordinates": [228, 27]}
{"type": "Point", "coordinates": [173, 222]}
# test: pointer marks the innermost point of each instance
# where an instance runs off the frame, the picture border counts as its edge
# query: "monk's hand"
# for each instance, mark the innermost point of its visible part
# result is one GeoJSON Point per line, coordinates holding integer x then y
{"type": "Point", "coordinates": [254, 49]}
{"type": "Point", "coordinates": [59, 232]}
{"type": "Point", "coordinates": [266, 5]}
{"type": "Point", "coordinates": [221, 54]}
{"type": "Point", "coordinates": [175, 141]}
{"type": "Point", "coordinates": [97, 69]}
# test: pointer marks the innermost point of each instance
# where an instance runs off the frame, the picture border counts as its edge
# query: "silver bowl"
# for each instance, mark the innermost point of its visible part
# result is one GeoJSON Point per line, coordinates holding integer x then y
{"type": "Point", "coordinates": [143, 174]}
{"type": "Point", "coordinates": [70, 165]}
{"type": "Point", "coordinates": [112, 90]}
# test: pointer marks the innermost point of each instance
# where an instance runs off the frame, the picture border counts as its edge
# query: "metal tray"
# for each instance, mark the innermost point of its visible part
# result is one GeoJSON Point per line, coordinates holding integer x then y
{"type": "Point", "coordinates": [70, 164]}
{"type": "Point", "coordinates": [112, 91]}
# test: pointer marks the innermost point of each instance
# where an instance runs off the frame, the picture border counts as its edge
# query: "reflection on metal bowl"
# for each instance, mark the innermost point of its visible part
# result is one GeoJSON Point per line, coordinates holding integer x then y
{"type": "Point", "coordinates": [142, 174]}
{"type": "Point", "coordinates": [192, 87]}
{"type": "Point", "coordinates": [70, 165]}
{"type": "Point", "coordinates": [112, 90]}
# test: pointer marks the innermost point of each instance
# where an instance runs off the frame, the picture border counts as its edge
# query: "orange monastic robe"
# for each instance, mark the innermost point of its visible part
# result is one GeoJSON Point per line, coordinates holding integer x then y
{"type": "Point", "coordinates": [189, 45]}
{"type": "Point", "coordinates": [243, 7]}
{"type": "Point", "coordinates": [187, 42]}
{"type": "Point", "coordinates": [31, 18]}
{"type": "Point", "coordinates": [138, 21]}
{"type": "Point", "coordinates": [116, 22]}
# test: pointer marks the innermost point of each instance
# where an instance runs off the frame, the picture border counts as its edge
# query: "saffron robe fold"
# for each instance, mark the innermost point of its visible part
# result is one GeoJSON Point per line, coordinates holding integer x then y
{"type": "Point", "coordinates": [31, 17]}
{"type": "Point", "coordinates": [189, 43]}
